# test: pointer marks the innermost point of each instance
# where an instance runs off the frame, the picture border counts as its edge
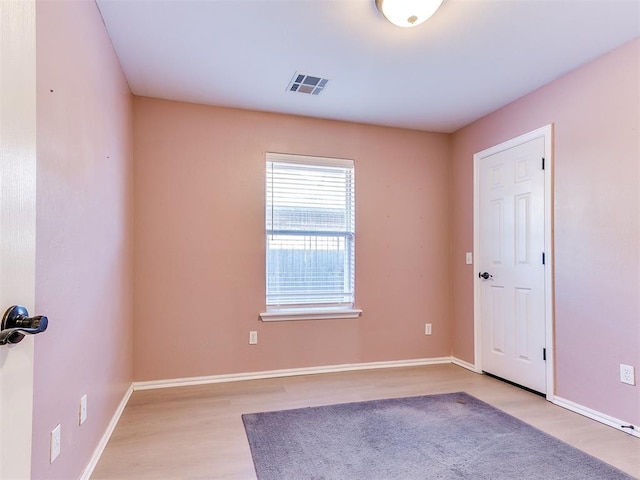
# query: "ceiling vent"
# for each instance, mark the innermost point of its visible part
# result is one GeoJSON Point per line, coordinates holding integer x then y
{"type": "Point", "coordinates": [309, 84]}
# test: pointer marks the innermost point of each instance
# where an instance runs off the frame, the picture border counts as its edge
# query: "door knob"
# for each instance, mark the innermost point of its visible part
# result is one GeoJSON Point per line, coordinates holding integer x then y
{"type": "Point", "coordinates": [16, 323]}
{"type": "Point", "coordinates": [485, 275]}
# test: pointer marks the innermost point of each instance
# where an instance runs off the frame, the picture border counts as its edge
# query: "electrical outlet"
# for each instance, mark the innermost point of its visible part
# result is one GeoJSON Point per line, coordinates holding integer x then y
{"type": "Point", "coordinates": [627, 374]}
{"type": "Point", "coordinates": [253, 337]}
{"type": "Point", "coordinates": [427, 329]}
{"type": "Point", "coordinates": [55, 444]}
{"type": "Point", "coordinates": [83, 409]}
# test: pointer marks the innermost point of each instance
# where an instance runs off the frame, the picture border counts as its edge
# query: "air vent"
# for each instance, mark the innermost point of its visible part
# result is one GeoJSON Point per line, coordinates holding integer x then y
{"type": "Point", "coordinates": [309, 84]}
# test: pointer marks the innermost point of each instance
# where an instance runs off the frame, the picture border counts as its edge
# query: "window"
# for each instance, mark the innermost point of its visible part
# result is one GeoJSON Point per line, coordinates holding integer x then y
{"type": "Point", "coordinates": [309, 237]}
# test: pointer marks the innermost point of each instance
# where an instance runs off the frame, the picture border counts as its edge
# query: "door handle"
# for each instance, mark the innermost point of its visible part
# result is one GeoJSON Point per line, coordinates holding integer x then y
{"type": "Point", "coordinates": [16, 323]}
{"type": "Point", "coordinates": [485, 275]}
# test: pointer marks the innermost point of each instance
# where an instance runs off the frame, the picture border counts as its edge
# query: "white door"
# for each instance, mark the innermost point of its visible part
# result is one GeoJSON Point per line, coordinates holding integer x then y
{"type": "Point", "coordinates": [510, 268]}
{"type": "Point", "coordinates": [17, 227]}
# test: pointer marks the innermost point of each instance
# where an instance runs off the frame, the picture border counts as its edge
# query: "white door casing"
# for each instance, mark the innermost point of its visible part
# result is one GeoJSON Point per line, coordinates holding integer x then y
{"type": "Point", "coordinates": [512, 232]}
{"type": "Point", "coordinates": [17, 226]}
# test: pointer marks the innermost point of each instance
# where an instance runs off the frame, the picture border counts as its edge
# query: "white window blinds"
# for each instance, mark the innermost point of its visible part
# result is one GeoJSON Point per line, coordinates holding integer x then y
{"type": "Point", "coordinates": [309, 232]}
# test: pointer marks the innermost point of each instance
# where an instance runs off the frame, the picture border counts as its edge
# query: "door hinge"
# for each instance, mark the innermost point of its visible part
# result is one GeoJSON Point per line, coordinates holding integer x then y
{"type": "Point", "coordinates": [542, 163]}
{"type": "Point", "coordinates": [543, 258]}
{"type": "Point", "coordinates": [544, 354]}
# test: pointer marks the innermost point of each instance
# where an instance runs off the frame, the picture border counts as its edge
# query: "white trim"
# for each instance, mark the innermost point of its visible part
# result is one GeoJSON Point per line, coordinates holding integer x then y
{"type": "Point", "coordinates": [463, 364]}
{"type": "Point", "coordinates": [309, 160]}
{"type": "Point", "coordinates": [597, 416]}
{"type": "Point", "coordinates": [547, 133]}
{"type": "Point", "coordinates": [310, 314]}
{"type": "Point", "coordinates": [107, 435]}
{"type": "Point", "coordinates": [290, 372]}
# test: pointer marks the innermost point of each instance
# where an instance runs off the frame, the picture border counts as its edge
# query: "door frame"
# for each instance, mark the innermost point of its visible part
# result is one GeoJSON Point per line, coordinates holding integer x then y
{"type": "Point", "coordinates": [547, 133]}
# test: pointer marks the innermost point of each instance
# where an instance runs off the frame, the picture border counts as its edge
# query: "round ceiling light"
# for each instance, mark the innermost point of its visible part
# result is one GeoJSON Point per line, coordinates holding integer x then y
{"type": "Point", "coordinates": [408, 13]}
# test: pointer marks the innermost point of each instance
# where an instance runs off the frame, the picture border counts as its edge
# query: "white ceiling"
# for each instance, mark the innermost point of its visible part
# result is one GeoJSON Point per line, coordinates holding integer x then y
{"type": "Point", "coordinates": [469, 59]}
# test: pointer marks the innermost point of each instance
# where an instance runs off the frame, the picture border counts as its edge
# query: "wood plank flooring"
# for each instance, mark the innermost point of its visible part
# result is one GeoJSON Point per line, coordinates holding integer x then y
{"type": "Point", "coordinates": [196, 433]}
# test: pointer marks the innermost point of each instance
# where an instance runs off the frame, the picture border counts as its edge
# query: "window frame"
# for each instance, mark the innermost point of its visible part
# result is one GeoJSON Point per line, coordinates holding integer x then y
{"type": "Point", "coordinates": [310, 311]}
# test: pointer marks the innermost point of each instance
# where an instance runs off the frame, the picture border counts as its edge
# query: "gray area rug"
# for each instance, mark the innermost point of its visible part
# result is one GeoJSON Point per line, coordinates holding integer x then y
{"type": "Point", "coordinates": [439, 437]}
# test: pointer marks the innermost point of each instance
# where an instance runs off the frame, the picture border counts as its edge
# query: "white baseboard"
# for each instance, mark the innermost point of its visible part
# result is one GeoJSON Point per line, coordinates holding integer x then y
{"type": "Point", "coordinates": [597, 416]}
{"type": "Point", "coordinates": [463, 364]}
{"type": "Point", "coordinates": [107, 435]}
{"type": "Point", "coordinates": [291, 372]}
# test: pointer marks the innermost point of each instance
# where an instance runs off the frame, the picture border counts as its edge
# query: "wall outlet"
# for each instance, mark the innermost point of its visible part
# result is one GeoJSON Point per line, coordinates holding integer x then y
{"type": "Point", "coordinates": [83, 409]}
{"type": "Point", "coordinates": [253, 337]}
{"type": "Point", "coordinates": [427, 329]}
{"type": "Point", "coordinates": [627, 374]}
{"type": "Point", "coordinates": [55, 444]}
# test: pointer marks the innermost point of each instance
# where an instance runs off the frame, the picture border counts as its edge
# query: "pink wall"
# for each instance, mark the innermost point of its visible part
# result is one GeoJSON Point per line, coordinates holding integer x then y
{"type": "Point", "coordinates": [596, 115]}
{"type": "Point", "coordinates": [84, 233]}
{"type": "Point", "coordinates": [199, 250]}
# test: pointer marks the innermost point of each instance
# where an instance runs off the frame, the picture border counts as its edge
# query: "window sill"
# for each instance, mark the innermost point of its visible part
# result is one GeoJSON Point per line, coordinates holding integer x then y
{"type": "Point", "coordinates": [310, 314]}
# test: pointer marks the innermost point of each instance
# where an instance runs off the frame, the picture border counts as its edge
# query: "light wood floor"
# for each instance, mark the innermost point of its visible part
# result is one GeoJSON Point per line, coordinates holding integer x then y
{"type": "Point", "coordinates": [195, 433]}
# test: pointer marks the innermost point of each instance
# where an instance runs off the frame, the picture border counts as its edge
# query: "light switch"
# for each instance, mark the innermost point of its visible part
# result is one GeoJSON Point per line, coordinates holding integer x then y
{"type": "Point", "coordinates": [469, 258]}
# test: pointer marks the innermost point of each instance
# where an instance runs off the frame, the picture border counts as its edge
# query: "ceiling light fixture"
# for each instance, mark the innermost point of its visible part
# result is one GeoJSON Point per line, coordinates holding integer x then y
{"type": "Point", "coordinates": [408, 13]}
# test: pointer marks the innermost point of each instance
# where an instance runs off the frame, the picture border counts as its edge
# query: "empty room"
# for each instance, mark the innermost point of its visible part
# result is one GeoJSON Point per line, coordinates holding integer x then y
{"type": "Point", "coordinates": [320, 239]}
